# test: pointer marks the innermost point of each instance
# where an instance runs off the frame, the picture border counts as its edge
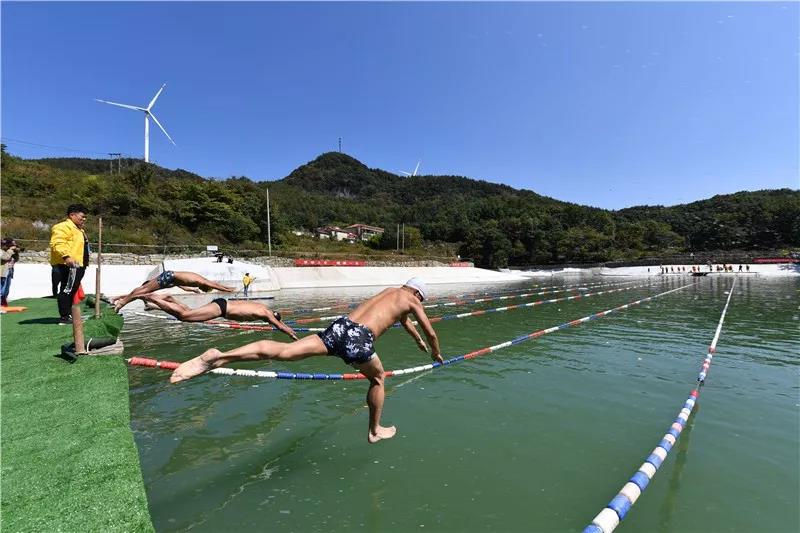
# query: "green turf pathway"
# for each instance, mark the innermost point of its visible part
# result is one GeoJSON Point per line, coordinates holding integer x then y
{"type": "Point", "coordinates": [69, 462]}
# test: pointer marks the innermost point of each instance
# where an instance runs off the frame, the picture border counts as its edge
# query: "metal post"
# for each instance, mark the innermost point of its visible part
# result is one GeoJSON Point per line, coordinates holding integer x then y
{"type": "Point", "coordinates": [397, 233]}
{"type": "Point", "coordinates": [269, 228]}
{"type": "Point", "coordinates": [99, 263]}
{"type": "Point", "coordinates": [404, 237]}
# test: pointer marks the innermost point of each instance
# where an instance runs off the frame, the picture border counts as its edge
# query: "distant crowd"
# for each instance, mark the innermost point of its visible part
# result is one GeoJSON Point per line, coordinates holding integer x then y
{"type": "Point", "coordinates": [697, 268]}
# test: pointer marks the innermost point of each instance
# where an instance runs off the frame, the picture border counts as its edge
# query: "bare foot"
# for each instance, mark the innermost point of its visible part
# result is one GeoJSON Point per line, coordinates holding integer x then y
{"type": "Point", "coordinates": [382, 433]}
{"type": "Point", "coordinates": [194, 367]}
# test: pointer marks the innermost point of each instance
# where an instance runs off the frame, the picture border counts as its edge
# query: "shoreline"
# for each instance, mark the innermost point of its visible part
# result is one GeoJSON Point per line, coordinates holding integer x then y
{"type": "Point", "coordinates": [32, 280]}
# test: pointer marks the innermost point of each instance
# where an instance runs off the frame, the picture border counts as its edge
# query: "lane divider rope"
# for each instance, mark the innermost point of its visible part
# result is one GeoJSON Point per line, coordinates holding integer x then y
{"type": "Point", "coordinates": [616, 510]}
{"type": "Point", "coordinates": [529, 304]}
{"type": "Point", "coordinates": [247, 325]}
{"type": "Point", "coordinates": [171, 365]}
{"type": "Point", "coordinates": [482, 311]}
{"type": "Point", "coordinates": [460, 296]}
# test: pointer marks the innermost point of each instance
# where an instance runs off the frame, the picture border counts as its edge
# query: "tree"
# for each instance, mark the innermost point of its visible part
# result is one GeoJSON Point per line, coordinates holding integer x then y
{"type": "Point", "coordinates": [140, 177]}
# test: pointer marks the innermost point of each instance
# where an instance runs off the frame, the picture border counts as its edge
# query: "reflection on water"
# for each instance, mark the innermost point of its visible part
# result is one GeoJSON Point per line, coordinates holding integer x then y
{"type": "Point", "coordinates": [534, 437]}
{"type": "Point", "coordinates": [681, 453]}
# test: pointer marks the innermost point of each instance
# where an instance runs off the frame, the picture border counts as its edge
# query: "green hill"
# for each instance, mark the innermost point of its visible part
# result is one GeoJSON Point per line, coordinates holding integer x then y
{"type": "Point", "coordinates": [493, 224]}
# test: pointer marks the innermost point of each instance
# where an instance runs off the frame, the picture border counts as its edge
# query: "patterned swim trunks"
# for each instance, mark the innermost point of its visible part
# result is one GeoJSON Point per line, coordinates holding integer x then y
{"type": "Point", "coordinates": [349, 340]}
{"type": "Point", "coordinates": [166, 279]}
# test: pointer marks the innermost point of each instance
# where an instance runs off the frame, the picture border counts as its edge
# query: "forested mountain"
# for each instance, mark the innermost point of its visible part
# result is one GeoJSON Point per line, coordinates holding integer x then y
{"type": "Point", "coordinates": [495, 225]}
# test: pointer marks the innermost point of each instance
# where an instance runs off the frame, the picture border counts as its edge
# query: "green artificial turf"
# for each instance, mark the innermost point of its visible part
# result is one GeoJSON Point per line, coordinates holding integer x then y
{"type": "Point", "coordinates": [69, 462]}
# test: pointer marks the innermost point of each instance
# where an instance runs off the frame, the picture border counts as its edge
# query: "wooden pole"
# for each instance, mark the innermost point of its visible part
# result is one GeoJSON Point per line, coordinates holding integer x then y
{"type": "Point", "coordinates": [269, 229]}
{"type": "Point", "coordinates": [99, 264]}
{"type": "Point", "coordinates": [77, 329]}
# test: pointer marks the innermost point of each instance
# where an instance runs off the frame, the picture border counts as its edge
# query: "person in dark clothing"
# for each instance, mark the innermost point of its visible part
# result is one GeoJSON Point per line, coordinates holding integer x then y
{"type": "Point", "coordinates": [10, 256]}
{"type": "Point", "coordinates": [55, 280]}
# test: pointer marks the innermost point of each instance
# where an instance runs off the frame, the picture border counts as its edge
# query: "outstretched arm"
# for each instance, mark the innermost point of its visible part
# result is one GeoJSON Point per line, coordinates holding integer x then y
{"type": "Point", "coordinates": [270, 316]}
{"type": "Point", "coordinates": [408, 325]}
{"type": "Point", "coordinates": [427, 328]}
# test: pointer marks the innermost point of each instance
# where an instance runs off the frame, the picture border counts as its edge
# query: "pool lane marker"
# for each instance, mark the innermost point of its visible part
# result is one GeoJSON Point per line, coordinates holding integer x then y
{"type": "Point", "coordinates": [458, 298]}
{"type": "Point", "coordinates": [171, 365]}
{"type": "Point", "coordinates": [248, 326]}
{"type": "Point", "coordinates": [616, 510]}
{"type": "Point", "coordinates": [479, 300]}
{"type": "Point", "coordinates": [529, 304]}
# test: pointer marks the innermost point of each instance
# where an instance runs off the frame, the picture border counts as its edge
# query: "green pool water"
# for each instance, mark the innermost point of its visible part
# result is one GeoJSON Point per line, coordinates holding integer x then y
{"type": "Point", "coordinates": [534, 437]}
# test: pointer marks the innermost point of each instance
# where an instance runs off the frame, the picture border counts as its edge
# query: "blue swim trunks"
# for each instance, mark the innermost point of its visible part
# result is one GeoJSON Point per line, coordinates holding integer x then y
{"type": "Point", "coordinates": [166, 279]}
{"type": "Point", "coordinates": [351, 341]}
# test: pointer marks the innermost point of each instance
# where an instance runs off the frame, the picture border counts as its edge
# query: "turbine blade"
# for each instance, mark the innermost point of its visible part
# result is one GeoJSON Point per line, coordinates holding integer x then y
{"type": "Point", "coordinates": [160, 126]}
{"type": "Point", "coordinates": [404, 172]}
{"type": "Point", "coordinates": [417, 167]}
{"type": "Point", "coordinates": [153, 101]}
{"type": "Point", "coordinates": [126, 106]}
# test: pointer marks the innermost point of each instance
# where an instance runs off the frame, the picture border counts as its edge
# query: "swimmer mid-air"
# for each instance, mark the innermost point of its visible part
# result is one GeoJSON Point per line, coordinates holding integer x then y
{"type": "Point", "coordinates": [219, 308]}
{"type": "Point", "coordinates": [351, 338]}
{"type": "Point", "coordinates": [169, 278]}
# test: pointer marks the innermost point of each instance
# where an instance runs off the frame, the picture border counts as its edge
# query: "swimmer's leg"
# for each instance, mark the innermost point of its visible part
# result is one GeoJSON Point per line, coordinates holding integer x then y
{"type": "Point", "coordinates": [373, 369]}
{"type": "Point", "coordinates": [281, 351]}
{"type": "Point", "coordinates": [183, 312]}
{"type": "Point", "coordinates": [147, 287]}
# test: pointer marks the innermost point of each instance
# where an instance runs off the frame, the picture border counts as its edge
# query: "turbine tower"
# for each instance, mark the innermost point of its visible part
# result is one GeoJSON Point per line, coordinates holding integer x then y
{"type": "Point", "coordinates": [412, 173]}
{"type": "Point", "coordinates": [148, 114]}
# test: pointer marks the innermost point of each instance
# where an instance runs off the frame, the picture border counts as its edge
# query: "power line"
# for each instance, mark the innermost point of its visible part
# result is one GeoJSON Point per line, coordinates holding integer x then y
{"type": "Point", "coordinates": [20, 141]}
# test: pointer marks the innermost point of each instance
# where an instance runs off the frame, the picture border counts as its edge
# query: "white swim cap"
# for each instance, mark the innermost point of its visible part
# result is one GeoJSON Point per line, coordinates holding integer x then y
{"type": "Point", "coordinates": [418, 285]}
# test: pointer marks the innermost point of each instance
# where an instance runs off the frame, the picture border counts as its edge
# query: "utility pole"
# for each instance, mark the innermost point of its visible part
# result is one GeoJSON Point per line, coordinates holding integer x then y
{"type": "Point", "coordinates": [397, 233]}
{"type": "Point", "coordinates": [404, 237]}
{"type": "Point", "coordinates": [119, 161]}
{"type": "Point", "coordinates": [269, 229]}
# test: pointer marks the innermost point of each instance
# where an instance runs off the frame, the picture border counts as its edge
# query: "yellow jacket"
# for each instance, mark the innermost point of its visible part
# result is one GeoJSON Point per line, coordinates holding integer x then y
{"type": "Point", "coordinates": [66, 239]}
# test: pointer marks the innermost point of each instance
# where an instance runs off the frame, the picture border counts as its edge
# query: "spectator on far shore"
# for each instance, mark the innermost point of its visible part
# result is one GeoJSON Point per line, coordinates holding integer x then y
{"type": "Point", "coordinates": [69, 254]}
{"type": "Point", "coordinates": [9, 257]}
{"type": "Point", "coordinates": [246, 281]}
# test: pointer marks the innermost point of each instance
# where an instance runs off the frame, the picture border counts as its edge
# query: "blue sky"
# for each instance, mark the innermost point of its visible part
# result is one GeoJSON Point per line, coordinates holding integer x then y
{"type": "Point", "coordinates": [604, 104]}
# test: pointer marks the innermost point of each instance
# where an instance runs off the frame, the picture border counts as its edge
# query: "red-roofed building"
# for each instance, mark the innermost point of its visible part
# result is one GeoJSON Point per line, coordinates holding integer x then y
{"type": "Point", "coordinates": [364, 231]}
{"type": "Point", "coordinates": [335, 233]}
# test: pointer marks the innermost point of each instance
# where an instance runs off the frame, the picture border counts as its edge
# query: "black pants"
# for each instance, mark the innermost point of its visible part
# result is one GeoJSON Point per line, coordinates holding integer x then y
{"type": "Point", "coordinates": [55, 279]}
{"type": "Point", "coordinates": [69, 280]}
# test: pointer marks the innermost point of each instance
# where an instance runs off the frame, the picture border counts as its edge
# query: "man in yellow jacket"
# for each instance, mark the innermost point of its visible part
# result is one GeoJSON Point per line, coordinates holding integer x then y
{"type": "Point", "coordinates": [246, 281]}
{"type": "Point", "coordinates": [69, 255]}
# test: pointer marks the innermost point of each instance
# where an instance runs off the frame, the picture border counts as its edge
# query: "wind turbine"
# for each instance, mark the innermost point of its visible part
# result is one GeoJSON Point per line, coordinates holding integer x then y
{"type": "Point", "coordinates": [409, 174]}
{"type": "Point", "coordinates": [147, 116]}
